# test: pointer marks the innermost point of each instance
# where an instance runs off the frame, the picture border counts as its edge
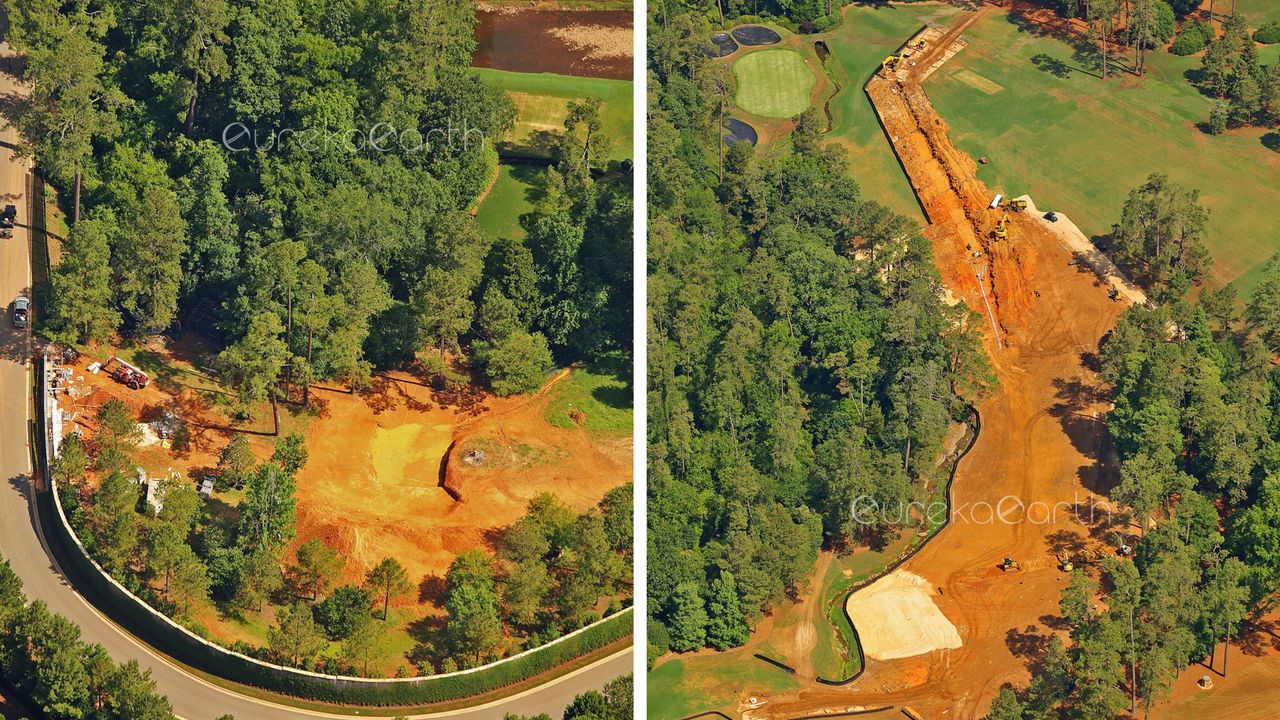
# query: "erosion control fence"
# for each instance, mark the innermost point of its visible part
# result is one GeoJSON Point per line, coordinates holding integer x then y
{"type": "Point", "coordinates": [162, 633]}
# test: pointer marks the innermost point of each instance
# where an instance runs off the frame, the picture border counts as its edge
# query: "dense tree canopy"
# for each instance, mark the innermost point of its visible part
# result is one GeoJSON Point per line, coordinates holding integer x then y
{"type": "Point", "coordinates": [800, 357]}
{"type": "Point", "coordinates": [284, 174]}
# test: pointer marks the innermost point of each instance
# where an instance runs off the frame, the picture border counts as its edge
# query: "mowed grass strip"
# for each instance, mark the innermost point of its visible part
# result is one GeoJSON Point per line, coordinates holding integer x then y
{"type": "Point", "coordinates": [541, 101]}
{"type": "Point", "coordinates": [773, 83]}
{"type": "Point", "coordinates": [1079, 144]}
{"type": "Point", "coordinates": [512, 196]}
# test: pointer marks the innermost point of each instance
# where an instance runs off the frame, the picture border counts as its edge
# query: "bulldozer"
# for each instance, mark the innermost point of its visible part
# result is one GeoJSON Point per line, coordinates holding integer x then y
{"type": "Point", "coordinates": [890, 63]}
{"type": "Point", "coordinates": [1002, 228]}
{"type": "Point", "coordinates": [1010, 564]}
{"type": "Point", "coordinates": [126, 374]}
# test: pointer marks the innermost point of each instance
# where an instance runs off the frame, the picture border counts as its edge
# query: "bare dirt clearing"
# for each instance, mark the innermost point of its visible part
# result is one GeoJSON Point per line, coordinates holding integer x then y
{"type": "Point", "coordinates": [374, 484]}
{"type": "Point", "coordinates": [1042, 439]}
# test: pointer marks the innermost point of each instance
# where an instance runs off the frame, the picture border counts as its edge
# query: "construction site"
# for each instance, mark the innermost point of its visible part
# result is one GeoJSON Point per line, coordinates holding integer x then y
{"type": "Point", "coordinates": [399, 469]}
{"type": "Point", "coordinates": [969, 613]}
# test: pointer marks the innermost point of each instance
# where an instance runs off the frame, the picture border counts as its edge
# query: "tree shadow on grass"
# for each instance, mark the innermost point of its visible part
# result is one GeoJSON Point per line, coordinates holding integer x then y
{"type": "Point", "coordinates": [1271, 141]}
{"type": "Point", "coordinates": [1052, 65]}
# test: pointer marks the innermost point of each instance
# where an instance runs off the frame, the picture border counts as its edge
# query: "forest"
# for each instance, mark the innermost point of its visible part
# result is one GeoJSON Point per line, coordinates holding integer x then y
{"type": "Point", "coordinates": [294, 179]}
{"type": "Point", "coordinates": [800, 356]}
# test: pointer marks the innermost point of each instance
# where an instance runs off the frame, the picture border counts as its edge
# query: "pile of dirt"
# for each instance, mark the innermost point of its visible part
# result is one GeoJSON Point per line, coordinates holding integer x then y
{"type": "Point", "coordinates": [586, 43]}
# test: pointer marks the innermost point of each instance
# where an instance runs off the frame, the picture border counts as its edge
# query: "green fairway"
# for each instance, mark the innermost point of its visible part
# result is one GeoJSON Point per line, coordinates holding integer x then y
{"type": "Point", "coordinates": [857, 47]}
{"type": "Point", "coordinates": [541, 100]}
{"type": "Point", "coordinates": [1078, 144]}
{"type": "Point", "coordinates": [512, 196]}
{"type": "Point", "coordinates": [773, 83]}
{"type": "Point", "coordinates": [1258, 12]}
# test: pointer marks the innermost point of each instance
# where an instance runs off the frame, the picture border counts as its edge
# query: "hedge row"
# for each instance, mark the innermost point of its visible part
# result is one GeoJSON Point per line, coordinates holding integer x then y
{"type": "Point", "coordinates": [147, 624]}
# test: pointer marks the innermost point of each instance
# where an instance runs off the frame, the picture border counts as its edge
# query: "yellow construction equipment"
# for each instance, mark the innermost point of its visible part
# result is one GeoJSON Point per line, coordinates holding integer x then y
{"type": "Point", "coordinates": [1002, 228]}
{"type": "Point", "coordinates": [1010, 564]}
{"type": "Point", "coordinates": [1065, 564]}
{"type": "Point", "coordinates": [890, 63]}
{"type": "Point", "coordinates": [1017, 205]}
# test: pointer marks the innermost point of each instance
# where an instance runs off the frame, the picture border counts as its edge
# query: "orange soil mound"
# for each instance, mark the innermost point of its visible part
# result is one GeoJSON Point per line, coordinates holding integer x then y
{"type": "Point", "coordinates": [1042, 437]}
{"type": "Point", "coordinates": [372, 487]}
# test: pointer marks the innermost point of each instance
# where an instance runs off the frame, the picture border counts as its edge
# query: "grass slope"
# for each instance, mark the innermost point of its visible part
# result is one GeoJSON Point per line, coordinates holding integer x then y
{"type": "Point", "coordinates": [601, 391]}
{"type": "Point", "coordinates": [867, 36]}
{"type": "Point", "coordinates": [541, 100]}
{"type": "Point", "coordinates": [512, 196]}
{"type": "Point", "coordinates": [773, 83]}
{"type": "Point", "coordinates": [1079, 144]}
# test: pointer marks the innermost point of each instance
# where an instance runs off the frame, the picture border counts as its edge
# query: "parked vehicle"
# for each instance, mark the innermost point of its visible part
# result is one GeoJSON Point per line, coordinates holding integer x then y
{"type": "Point", "coordinates": [21, 312]}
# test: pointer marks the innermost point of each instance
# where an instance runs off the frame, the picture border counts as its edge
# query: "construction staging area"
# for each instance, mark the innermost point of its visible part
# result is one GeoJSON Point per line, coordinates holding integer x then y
{"type": "Point", "coordinates": [1043, 448]}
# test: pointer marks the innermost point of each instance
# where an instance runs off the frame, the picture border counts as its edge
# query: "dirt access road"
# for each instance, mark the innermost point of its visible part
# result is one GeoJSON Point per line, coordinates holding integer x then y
{"type": "Point", "coordinates": [1039, 456]}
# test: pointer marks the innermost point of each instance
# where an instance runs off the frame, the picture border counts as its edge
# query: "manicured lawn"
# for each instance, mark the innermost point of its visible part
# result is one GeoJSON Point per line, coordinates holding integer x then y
{"type": "Point", "coordinates": [1078, 144]}
{"type": "Point", "coordinates": [867, 36]}
{"type": "Point", "coordinates": [601, 392]}
{"type": "Point", "coordinates": [773, 83]}
{"type": "Point", "coordinates": [541, 106]}
{"type": "Point", "coordinates": [512, 196]}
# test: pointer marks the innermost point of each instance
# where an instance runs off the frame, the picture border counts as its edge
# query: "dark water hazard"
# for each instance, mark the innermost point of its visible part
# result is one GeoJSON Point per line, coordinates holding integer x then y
{"type": "Point", "coordinates": [527, 41]}
{"type": "Point", "coordinates": [756, 35]}
{"type": "Point", "coordinates": [721, 45]}
{"type": "Point", "coordinates": [738, 131]}
{"type": "Point", "coordinates": [823, 51]}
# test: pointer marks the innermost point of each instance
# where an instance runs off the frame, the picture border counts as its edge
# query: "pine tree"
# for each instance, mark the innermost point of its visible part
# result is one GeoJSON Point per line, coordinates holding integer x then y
{"type": "Point", "coordinates": [726, 625]}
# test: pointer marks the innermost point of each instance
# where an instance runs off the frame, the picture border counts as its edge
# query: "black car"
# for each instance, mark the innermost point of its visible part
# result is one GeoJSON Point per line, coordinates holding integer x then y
{"type": "Point", "coordinates": [7, 217]}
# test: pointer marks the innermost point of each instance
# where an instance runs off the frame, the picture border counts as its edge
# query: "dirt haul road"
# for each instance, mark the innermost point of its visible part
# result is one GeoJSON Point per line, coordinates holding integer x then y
{"type": "Point", "coordinates": [1025, 489]}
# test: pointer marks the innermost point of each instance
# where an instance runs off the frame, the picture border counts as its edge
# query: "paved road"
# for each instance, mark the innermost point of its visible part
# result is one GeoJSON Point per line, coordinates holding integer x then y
{"type": "Point", "coordinates": [20, 542]}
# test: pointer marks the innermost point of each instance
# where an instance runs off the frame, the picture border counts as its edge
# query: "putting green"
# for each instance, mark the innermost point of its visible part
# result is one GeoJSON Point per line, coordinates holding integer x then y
{"type": "Point", "coordinates": [773, 83]}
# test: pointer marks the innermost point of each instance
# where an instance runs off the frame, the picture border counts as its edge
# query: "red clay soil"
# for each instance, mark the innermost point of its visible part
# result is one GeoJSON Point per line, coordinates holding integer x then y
{"type": "Point", "coordinates": [1042, 438]}
{"type": "Point", "coordinates": [372, 485]}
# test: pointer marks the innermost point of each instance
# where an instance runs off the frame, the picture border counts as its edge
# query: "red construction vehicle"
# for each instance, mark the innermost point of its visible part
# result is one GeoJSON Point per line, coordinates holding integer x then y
{"type": "Point", "coordinates": [126, 374]}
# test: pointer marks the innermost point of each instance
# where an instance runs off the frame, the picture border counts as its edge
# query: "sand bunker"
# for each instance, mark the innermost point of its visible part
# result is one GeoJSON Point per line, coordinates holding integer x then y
{"type": "Point", "coordinates": [897, 618]}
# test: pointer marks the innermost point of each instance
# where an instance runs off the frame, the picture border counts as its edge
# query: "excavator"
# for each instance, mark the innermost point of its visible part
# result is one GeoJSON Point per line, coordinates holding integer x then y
{"type": "Point", "coordinates": [1002, 228]}
{"type": "Point", "coordinates": [890, 63]}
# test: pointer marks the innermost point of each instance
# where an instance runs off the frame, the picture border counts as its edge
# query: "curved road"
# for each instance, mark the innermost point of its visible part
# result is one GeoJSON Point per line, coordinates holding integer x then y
{"type": "Point", "coordinates": [21, 543]}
